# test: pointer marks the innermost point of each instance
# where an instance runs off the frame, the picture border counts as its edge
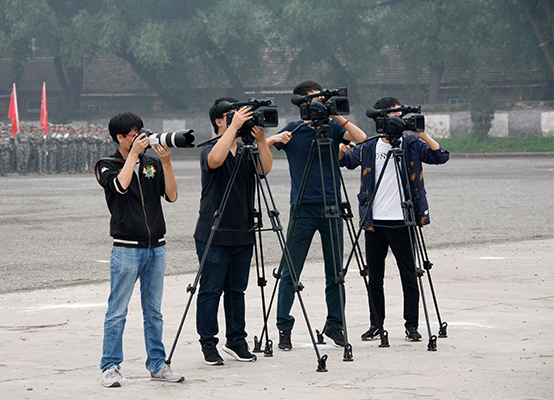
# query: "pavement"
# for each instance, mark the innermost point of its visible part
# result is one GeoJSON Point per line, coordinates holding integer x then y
{"type": "Point", "coordinates": [497, 300]}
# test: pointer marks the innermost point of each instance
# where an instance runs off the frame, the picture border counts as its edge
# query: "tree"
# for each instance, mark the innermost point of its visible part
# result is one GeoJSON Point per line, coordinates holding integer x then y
{"type": "Point", "coordinates": [338, 39]}
{"type": "Point", "coordinates": [62, 28]}
{"type": "Point", "coordinates": [540, 14]}
{"type": "Point", "coordinates": [172, 37]}
{"type": "Point", "coordinates": [482, 110]}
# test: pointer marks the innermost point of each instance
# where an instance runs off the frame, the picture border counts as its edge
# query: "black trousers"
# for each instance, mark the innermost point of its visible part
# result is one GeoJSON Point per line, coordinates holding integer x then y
{"type": "Point", "coordinates": [377, 243]}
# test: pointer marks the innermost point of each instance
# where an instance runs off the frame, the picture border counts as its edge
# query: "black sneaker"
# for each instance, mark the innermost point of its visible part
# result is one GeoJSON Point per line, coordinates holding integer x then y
{"type": "Point", "coordinates": [284, 340]}
{"type": "Point", "coordinates": [211, 355]}
{"type": "Point", "coordinates": [336, 335]}
{"type": "Point", "coordinates": [412, 335]}
{"type": "Point", "coordinates": [239, 351]}
{"type": "Point", "coordinates": [372, 334]}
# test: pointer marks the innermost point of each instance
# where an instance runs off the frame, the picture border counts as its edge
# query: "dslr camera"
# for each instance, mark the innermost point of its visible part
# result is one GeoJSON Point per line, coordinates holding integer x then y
{"type": "Point", "coordinates": [394, 125]}
{"type": "Point", "coordinates": [174, 139]}
{"type": "Point", "coordinates": [333, 102]}
{"type": "Point", "coordinates": [264, 115]}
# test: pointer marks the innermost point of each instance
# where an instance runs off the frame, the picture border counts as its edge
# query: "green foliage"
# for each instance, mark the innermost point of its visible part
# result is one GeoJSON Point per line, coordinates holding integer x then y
{"type": "Point", "coordinates": [471, 144]}
{"type": "Point", "coordinates": [482, 109]}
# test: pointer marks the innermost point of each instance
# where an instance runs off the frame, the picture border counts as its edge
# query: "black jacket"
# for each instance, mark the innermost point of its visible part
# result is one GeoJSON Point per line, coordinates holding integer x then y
{"type": "Point", "coordinates": [137, 216]}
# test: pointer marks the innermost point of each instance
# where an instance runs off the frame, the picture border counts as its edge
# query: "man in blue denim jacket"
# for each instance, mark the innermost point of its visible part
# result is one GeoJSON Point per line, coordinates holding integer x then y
{"type": "Point", "coordinates": [385, 226]}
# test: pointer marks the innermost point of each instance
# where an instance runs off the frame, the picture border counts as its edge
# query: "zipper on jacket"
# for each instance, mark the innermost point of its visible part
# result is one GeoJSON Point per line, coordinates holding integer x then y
{"type": "Point", "coordinates": [144, 210]}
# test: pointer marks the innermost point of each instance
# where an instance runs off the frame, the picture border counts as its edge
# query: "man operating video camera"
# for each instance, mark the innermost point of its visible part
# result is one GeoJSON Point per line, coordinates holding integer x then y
{"type": "Point", "coordinates": [227, 263]}
{"type": "Point", "coordinates": [385, 226]}
{"type": "Point", "coordinates": [297, 148]}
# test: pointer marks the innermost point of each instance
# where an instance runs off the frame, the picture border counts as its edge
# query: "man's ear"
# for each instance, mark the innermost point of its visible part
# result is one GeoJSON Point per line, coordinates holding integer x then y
{"type": "Point", "coordinates": [221, 121]}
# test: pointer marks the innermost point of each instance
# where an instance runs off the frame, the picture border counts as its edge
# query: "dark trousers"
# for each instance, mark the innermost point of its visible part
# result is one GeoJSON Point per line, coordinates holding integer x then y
{"type": "Point", "coordinates": [312, 220]}
{"type": "Point", "coordinates": [225, 271]}
{"type": "Point", "coordinates": [377, 244]}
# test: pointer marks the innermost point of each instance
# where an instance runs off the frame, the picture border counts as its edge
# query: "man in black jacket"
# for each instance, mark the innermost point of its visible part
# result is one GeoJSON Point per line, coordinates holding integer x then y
{"type": "Point", "coordinates": [134, 184]}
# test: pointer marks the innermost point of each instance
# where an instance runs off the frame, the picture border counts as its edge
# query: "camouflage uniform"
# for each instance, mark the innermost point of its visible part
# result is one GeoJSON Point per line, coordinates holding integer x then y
{"type": "Point", "coordinates": [81, 151]}
{"type": "Point", "coordinates": [5, 154]}
{"type": "Point", "coordinates": [22, 140]}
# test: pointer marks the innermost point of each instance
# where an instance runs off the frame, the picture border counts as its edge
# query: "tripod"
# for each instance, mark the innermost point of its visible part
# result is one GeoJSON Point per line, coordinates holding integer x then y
{"type": "Point", "coordinates": [333, 210]}
{"type": "Point", "coordinates": [249, 154]}
{"type": "Point", "coordinates": [417, 244]}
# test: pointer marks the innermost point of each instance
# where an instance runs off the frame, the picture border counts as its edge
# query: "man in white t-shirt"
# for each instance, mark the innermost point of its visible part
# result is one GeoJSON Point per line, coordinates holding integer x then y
{"type": "Point", "coordinates": [385, 226]}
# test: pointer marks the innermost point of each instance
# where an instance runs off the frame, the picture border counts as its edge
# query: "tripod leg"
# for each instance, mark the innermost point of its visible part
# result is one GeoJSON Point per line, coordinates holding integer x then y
{"type": "Point", "coordinates": [286, 261]}
{"type": "Point", "coordinates": [427, 265]}
{"type": "Point", "coordinates": [363, 268]}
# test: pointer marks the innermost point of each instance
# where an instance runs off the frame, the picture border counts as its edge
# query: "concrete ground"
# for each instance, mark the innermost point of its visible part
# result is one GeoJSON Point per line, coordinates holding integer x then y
{"type": "Point", "coordinates": [497, 301]}
{"type": "Point", "coordinates": [491, 242]}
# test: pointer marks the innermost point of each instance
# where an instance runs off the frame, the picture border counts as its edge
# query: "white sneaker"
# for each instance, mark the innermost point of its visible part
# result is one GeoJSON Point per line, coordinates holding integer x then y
{"type": "Point", "coordinates": [111, 377]}
{"type": "Point", "coordinates": [166, 374]}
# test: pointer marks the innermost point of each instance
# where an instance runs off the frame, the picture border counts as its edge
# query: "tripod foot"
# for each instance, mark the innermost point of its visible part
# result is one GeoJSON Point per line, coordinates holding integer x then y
{"type": "Point", "coordinates": [348, 353]}
{"type": "Point", "coordinates": [385, 339]}
{"type": "Point", "coordinates": [319, 336]}
{"type": "Point", "coordinates": [442, 330]}
{"type": "Point", "coordinates": [321, 367]}
{"type": "Point", "coordinates": [257, 346]}
{"type": "Point", "coordinates": [432, 346]}
{"type": "Point", "coordinates": [268, 352]}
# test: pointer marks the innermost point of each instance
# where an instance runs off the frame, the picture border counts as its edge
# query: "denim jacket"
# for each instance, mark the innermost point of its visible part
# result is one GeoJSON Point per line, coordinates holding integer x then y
{"type": "Point", "coordinates": [417, 151]}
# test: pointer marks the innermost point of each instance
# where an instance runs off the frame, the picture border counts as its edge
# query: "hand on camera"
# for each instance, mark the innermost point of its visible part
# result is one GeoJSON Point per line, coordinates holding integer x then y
{"type": "Point", "coordinates": [259, 133]}
{"type": "Point", "coordinates": [140, 143]}
{"type": "Point", "coordinates": [240, 117]}
{"type": "Point", "coordinates": [163, 152]}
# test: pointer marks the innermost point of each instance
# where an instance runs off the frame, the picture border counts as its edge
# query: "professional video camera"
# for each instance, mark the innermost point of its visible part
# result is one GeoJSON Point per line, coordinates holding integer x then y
{"type": "Point", "coordinates": [264, 115]}
{"type": "Point", "coordinates": [394, 125]}
{"type": "Point", "coordinates": [174, 139]}
{"type": "Point", "coordinates": [311, 109]}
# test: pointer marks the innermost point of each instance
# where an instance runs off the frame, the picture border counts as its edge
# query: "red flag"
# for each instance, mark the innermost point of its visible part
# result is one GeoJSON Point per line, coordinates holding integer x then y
{"type": "Point", "coordinates": [13, 114]}
{"type": "Point", "coordinates": [44, 110]}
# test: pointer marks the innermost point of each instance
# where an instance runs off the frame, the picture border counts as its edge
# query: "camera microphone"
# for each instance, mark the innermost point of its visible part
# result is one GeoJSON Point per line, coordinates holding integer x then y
{"type": "Point", "coordinates": [298, 99]}
{"type": "Point", "coordinates": [374, 113]}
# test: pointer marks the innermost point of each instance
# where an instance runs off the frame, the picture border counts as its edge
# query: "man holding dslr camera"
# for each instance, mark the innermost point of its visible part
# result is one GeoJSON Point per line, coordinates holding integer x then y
{"type": "Point", "coordinates": [311, 216]}
{"type": "Point", "coordinates": [227, 265]}
{"type": "Point", "coordinates": [134, 184]}
{"type": "Point", "coordinates": [385, 226]}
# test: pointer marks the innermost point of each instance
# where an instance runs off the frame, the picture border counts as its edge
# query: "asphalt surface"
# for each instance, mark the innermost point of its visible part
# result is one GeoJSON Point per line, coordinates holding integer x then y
{"type": "Point", "coordinates": [55, 228]}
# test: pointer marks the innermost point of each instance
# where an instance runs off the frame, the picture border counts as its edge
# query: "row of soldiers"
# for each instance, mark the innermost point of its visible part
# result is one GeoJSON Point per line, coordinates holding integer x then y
{"type": "Point", "coordinates": [65, 149]}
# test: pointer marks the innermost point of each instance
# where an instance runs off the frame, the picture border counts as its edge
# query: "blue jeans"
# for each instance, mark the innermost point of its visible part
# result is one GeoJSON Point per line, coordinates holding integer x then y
{"type": "Point", "coordinates": [311, 220]}
{"type": "Point", "coordinates": [225, 270]}
{"type": "Point", "coordinates": [127, 265]}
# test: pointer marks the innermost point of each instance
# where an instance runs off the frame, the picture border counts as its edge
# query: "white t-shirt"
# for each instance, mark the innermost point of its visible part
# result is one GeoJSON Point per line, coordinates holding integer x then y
{"type": "Point", "coordinates": [386, 205]}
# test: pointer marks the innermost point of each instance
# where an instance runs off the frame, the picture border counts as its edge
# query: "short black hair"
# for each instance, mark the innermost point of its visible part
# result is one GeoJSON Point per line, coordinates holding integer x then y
{"type": "Point", "coordinates": [386, 102]}
{"type": "Point", "coordinates": [307, 86]}
{"type": "Point", "coordinates": [215, 113]}
{"type": "Point", "coordinates": [123, 123]}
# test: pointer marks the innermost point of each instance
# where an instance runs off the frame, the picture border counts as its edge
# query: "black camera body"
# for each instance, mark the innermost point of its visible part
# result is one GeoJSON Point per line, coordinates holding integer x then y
{"type": "Point", "coordinates": [334, 102]}
{"type": "Point", "coordinates": [264, 114]}
{"type": "Point", "coordinates": [182, 138]}
{"type": "Point", "coordinates": [395, 125]}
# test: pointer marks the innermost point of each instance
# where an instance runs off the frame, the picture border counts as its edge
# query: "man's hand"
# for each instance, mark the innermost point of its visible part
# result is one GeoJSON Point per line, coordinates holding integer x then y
{"type": "Point", "coordinates": [240, 117]}
{"type": "Point", "coordinates": [259, 133]}
{"type": "Point", "coordinates": [343, 148]}
{"type": "Point", "coordinates": [140, 143]}
{"type": "Point", "coordinates": [163, 152]}
{"type": "Point", "coordinates": [432, 143]}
